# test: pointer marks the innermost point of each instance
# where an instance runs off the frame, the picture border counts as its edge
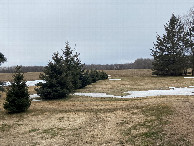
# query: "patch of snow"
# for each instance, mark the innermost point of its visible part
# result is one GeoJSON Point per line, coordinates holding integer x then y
{"type": "Point", "coordinates": [109, 75]}
{"type": "Point", "coordinates": [188, 77]}
{"type": "Point", "coordinates": [114, 79]}
{"type": "Point", "coordinates": [6, 83]}
{"type": "Point", "coordinates": [135, 94]}
{"type": "Point", "coordinates": [33, 83]}
{"type": "Point", "coordinates": [28, 83]}
{"type": "Point", "coordinates": [95, 95]}
{"type": "Point", "coordinates": [36, 100]}
{"type": "Point", "coordinates": [172, 88]}
{"type": "Point", "coordinates": [34, 96]}
{"type": "Point", "coordinates": [175, 91]}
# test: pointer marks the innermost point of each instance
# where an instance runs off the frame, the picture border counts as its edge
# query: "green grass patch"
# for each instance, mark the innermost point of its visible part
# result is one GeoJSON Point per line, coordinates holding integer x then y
{"type": "Point", "coordinates": [52, 132]}
{"type": "Point", "coordinates": [5, 127]}
{"type": "Point", "coordinates": [34, 130]}
{"type": "Point", "coordinates": [151, 130]}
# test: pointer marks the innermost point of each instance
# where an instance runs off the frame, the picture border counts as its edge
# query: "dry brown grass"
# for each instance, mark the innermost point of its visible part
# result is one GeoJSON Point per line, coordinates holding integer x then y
{"type": "Point", "coordinates": [129, 72]}
{"type": "Point", "coordinates": [30, 76]}
{"type": "Point", "coordinates": [105, 121]}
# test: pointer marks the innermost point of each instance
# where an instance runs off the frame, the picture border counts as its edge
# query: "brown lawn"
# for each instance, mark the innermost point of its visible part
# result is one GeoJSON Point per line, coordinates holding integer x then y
{"type": "Point", "coordinates": [164, 120]}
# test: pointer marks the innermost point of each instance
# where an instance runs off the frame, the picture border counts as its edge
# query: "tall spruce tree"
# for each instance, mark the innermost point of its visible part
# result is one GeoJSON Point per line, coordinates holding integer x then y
{"type": "Point", "coordinates": [17, 99]}
{"type": "Point", "coordinates": [58, 80]}
{"type": "Point", "coordinates": [169, 51]}
{"type": "Point", "coordinates": [74, 66]}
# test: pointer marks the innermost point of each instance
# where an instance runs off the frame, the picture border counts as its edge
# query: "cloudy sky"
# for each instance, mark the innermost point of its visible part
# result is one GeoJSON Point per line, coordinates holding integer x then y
{"type": "Point", "coordinates": [104, 31]}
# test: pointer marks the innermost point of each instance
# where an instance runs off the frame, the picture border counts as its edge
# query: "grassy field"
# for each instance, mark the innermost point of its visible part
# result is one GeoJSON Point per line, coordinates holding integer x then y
{"type": "Point", "coordinates": [77, 120]}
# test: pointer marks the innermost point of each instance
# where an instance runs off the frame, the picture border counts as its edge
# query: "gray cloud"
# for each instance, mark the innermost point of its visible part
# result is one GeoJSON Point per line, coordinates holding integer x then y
{"type": "Point", "coordinates": [105, 31]}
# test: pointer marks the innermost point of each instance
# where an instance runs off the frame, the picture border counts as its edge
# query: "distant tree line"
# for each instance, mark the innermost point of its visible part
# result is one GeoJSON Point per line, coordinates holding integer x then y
{"type": "Point", "coordinates": [23, 69]}
{"type": "Point", "coordinates": [140, 63]}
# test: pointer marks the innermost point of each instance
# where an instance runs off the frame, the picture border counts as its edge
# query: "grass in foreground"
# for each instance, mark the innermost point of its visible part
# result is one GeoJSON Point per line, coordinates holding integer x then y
{"type": "Point", "coordinates": [150, 131]}
{"type": "Point", "coordinates": [165, 120]}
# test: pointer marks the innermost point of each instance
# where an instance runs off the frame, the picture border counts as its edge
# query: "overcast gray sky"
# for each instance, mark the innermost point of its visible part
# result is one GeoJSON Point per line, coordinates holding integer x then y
{"type": "Point", "coordinates": [104, 31]}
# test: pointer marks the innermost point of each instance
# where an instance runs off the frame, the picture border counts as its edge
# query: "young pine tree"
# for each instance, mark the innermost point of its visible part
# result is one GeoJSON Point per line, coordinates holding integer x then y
{"type": "Point", "coordinates": [17, 99]}
{"type": "Point", "coordinates": [58, 80]}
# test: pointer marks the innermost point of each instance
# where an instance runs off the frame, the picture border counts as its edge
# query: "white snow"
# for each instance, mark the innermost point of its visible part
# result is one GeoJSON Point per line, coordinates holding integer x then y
{"type": "Point", "coordinates": [134, 94]}
{"type": "Point", "coordinates": [172, 88]}
{"type": "Point", "coordinates": [6, 83]}
{"type": "Point", "coordinates": [28, 83]}
{"type": "Point", "coordinates": [34, 96]}
{"type": "Point", "coordinates": [188, 77]}
{"type": "Point", "coordinates": [114, 79]}
{"type": "Point", "coordinates": [95, 95]}
{"type": "Point", "coordinates": [33, 83]}
{"type": "Point", "coordinates": [36, 100]}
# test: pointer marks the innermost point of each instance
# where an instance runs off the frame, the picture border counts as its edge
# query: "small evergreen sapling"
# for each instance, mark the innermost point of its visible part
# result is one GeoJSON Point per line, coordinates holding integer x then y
{"type": "Point", "coordinates": [17, 99]}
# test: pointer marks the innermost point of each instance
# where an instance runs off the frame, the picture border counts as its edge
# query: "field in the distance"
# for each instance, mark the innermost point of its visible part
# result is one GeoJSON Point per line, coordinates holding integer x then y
{"type": "Point", "coordinates": [161, 120]}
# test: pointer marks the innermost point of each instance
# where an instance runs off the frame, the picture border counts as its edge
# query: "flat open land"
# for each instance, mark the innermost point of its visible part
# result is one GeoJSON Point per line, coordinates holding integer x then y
{"type": "Point", "coordinates": [79, 120]}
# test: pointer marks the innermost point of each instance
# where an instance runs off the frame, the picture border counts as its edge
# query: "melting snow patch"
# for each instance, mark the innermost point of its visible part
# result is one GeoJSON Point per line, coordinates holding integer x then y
{"type": "Point", "coordinates": [36, 100]}
{"type": "Point", "coordinates": [114, 79]}
{"type": "Point", "coordinates": [28, 83]}
{"type": "Point", "coordinates": [33, 83]}
{"type": "Point", "coordinates": [172, 88]}
{"type": "Point", "coordinates": [95, 95]}
{"type": "Point", "coordinates": [188, 77]}
{"type": "Point", "coordinates": [134, 94]}
{"type": "Point", "coordinates": [34, 96]}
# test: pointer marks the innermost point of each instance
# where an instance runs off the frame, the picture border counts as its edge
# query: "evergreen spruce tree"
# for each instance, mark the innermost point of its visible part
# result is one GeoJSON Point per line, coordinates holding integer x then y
{"type": "Point", "coordinates": [93, 76]}
{"type": "Point", "coordinates": [169, 51]}
{"type": "Point", "coordinates": [17, 99]}
{"type": "Point", "coordinates": [74, 66]}
{"type": "Point", "coordinates": [103, 75]}
{"type": "Point", "coordinates": [86, 79]}
{"type": "Point", "coordinates": [58, 80]}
